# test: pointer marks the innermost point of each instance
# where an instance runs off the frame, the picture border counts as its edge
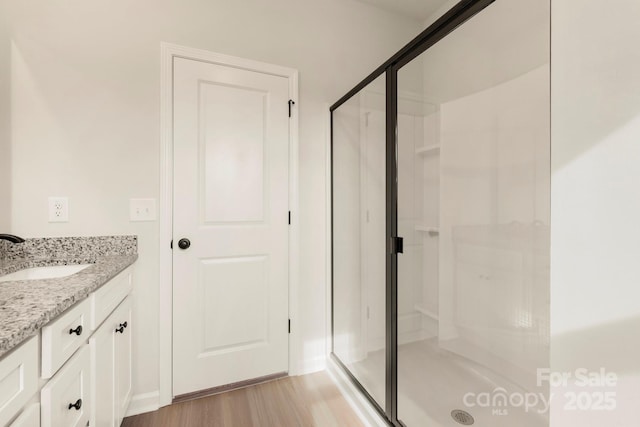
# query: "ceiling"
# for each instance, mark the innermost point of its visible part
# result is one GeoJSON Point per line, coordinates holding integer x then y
{"type": "Point", "coordinates": [416, 9]}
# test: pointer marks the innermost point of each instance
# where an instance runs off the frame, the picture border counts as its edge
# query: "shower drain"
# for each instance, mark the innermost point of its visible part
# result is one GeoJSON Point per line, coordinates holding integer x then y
{"type": "Point", "coordinates": [462, 417]}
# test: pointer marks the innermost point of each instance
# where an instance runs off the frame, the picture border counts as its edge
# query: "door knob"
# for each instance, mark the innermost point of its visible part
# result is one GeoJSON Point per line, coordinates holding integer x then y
{"type": "Point", "coordinates": [184, 244]}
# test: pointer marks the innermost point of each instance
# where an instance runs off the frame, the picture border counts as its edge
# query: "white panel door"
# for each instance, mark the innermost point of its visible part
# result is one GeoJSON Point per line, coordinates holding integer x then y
{"type": "Point", "coordinates": [231, 169]}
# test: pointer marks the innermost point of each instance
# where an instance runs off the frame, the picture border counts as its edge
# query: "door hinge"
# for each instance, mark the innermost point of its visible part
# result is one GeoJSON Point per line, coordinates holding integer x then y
{"type": "Point", "coordinates": [397, 245]}
{"type": "Point", "coordinates": [289, 327]}
{"type": "Point", "coordinates": [291, 103]}
{"type": "Point", "coordinates": [289, 217]}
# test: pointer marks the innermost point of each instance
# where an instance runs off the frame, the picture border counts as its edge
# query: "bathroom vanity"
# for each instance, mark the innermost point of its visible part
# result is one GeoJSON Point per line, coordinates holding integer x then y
{"type": "Point", "coordinates": [65, 341]}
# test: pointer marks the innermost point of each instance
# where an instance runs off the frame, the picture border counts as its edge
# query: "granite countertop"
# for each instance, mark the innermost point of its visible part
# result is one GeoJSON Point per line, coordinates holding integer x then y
{"type": "Point", "coordinates": [28, 305]}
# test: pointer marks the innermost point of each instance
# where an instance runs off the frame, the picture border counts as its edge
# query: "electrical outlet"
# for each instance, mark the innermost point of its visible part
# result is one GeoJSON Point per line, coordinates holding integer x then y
{"type": "Point", "coordinates": [58, 209]}
{"type": "Point", "coordinates": [142, 209]}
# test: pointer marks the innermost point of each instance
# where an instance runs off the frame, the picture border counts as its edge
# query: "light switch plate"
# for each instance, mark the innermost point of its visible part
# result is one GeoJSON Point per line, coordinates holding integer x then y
{"type": "Point", "coordinates": [142, 209]}
{"type": "Point", "coordinates": [58, 209]}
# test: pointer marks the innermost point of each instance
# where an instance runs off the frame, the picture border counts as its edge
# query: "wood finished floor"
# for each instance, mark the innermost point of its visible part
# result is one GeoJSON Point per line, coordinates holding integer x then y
{"type": "Point", "coordinates": [305, 401]}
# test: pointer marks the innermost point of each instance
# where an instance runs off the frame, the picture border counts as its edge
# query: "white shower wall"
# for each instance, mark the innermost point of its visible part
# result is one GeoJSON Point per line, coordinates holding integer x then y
{"type": "Point", "coordinates": [494, 257]}
{"type": "Point", "coordinates": [416, 264]}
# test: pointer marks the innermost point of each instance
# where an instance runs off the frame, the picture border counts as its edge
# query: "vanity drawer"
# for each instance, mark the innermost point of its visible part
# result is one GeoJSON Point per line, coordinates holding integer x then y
{"type": "Point", "coordinates": [65, 398]}
{"type": "Point", "coordinates": [62, 337]}
{"type": "Point", "coordinates": [18, 379]}
{"type": "Point", "coordinates": [30, 417]}
{"type": "Point", "coordinates": [109, 296]}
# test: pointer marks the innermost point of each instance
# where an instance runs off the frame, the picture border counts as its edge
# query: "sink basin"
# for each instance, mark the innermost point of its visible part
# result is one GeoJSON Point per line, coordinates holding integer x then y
{"type": "Point", "coordinates": [37, 273]}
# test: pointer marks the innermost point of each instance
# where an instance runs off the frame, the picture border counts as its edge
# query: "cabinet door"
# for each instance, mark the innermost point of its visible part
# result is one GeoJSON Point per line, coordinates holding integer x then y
{"type": "Point", "coordinates": [123, 363]}
{"type": "Point", "coordinates": [103, 374]}
{"type": "Point", "coordinates": [65, 399]}
{"type": "Point", "coordinates": [30, 417]}
{"type": "Point", "coordinates": [18, 379]}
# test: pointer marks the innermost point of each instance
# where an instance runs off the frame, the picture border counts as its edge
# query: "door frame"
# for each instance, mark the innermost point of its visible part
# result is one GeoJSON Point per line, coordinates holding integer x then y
{"type": "Point", "coordinates": [169, 51]}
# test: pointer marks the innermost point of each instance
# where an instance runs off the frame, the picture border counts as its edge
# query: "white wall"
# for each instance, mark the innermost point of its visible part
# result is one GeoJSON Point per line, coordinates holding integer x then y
{"type": "Point", "coordinates": [5, 130]}
{"type": "Point", "coordinates": [85, 117]}
{"type": "Point", "coordinates": [595, 201]}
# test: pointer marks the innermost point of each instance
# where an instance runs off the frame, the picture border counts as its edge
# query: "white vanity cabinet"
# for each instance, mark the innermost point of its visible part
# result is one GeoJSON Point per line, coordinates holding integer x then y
{"type": "Point", "coordinates": [82, 369]}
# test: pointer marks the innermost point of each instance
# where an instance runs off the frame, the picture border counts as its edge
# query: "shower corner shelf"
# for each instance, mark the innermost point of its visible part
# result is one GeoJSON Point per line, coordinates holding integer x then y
{"type": "Point", "coordinates": [428, 150]}
{"type": "Point", "coordinates": [433, 231]}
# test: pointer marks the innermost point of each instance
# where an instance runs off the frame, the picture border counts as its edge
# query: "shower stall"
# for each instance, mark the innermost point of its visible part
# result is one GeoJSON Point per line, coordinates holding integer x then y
{"type": "Point", "coordinates": [440, 222]}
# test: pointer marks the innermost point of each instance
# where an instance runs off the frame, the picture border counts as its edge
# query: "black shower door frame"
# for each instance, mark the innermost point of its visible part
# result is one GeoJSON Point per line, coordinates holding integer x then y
{"type": "Point", "coordinates": [455, 17]}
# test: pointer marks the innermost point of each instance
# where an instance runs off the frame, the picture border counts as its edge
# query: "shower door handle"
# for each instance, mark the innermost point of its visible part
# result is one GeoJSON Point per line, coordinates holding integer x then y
{"type": "Point", "coordinates": [397, 245]}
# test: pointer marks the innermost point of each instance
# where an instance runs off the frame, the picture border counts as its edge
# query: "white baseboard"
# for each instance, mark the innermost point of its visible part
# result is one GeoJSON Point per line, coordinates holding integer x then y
{"type": "Point", "coordinates": [144, 402]}
{"type": "Point", "coordinates": [361, 406]}
{"type": "Point", "coordinates": [309, 366]}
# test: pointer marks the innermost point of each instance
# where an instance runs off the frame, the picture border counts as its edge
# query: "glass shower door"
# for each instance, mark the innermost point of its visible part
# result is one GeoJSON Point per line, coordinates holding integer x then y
{"type": "Point", "coordinates": [473, 154]}
{"type": "Point", "coordinates": [358, 177]}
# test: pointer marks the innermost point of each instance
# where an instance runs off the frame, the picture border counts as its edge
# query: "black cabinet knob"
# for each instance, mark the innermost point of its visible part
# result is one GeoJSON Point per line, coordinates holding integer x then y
{"type": "Point", "coordinates": [121, 327]}
{"type": "Point", "coordinates": [76, 405]}
{"type": "Point", "coordinates": [184, 244]}
{"type": "Point", "coordinates": [77, 331]}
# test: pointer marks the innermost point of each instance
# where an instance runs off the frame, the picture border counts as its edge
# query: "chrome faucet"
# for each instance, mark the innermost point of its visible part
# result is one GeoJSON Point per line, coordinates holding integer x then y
{"type": "Point", "coordinates": [11, 238]}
